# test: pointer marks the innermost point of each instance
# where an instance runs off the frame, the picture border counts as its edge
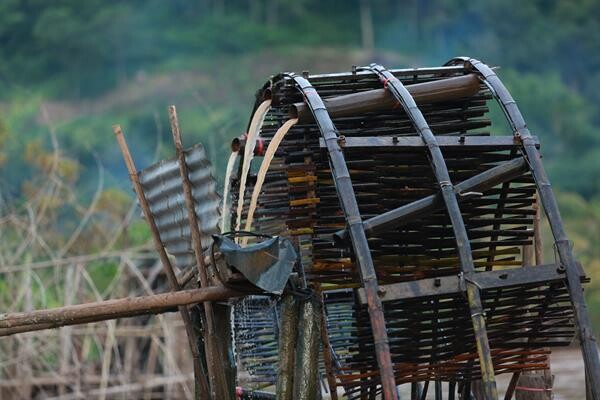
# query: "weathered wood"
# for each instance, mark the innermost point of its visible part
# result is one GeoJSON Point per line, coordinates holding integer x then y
{"type": "Point", "coordinates": [485, 280]}
{"type": "Point", "coordinates": [202, 383]}
{"type": "Point", "coordinates": [589, 347]}
{"type": "Point", "coordinates": [215, 361]}
{"type": "Point", "coordinates": [288, 333]}
{"type": "Point", "coordinates": [306, 371]}
{"type": "Point", "coordinates": [111, 309]}
{"type": "Point", "coordinates": [463, 246]}
{"type": "Point", "coordinates": [473, 143]}
{"type": "Point", "coordinates": [481, 182]}
{"type": "Point", "coordinates": [327, 352]}
{"type": "Point", "coordinates": [364, 260]}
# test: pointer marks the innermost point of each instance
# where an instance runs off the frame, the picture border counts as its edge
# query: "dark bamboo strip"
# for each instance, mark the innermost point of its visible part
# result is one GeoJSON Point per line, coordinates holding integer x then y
{"type": "Point", "coordinates": [327, 351]}
{"type": "Point", "coordinates": [215, 362]}
{"type": "Point", "coordinates": [357, 234]}
{"type": "Point", "coordinates": [462, 242]}
{"type": "Point", "coordinates": [481, 182]}
{"type": "Point", "coordinates": [202, 391]}
{"type": "Point", "coordinates": [586, 336]}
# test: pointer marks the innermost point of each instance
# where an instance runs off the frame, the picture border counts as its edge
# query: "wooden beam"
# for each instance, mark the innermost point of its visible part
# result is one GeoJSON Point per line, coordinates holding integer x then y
{"type": "Point", "coordinates": [411, 142]}
{"type": "Point", "coordinates": [215, 362]}
{"type": "Point", "coordinates": [487, 280]}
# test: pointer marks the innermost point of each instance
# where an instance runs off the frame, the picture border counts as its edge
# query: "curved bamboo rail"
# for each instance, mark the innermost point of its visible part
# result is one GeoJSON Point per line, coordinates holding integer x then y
{"type": "Point", "coordinates": [438, 164]}
{"type": "Point", "coordinates": [345, 191]}
{"type": "Point", "coordinates": [587, 339]}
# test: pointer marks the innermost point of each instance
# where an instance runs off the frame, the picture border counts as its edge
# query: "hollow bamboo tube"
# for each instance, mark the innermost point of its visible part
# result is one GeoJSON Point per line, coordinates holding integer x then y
{"type": "Point", "coordinates": [381, 99]}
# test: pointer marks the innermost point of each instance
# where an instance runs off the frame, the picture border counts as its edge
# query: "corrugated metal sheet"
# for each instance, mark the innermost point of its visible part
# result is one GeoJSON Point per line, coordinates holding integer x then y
{"type": "Point", "coordinates": [162, 186]}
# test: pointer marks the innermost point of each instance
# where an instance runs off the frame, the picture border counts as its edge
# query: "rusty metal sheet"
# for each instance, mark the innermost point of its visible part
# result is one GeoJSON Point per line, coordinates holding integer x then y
{"type": "Point", "coordinates": [162, 187]}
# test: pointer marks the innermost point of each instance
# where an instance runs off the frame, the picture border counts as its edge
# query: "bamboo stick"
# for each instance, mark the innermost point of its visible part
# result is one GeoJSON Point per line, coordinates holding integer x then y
{"type": "Point", "coordinates": [168, 268]}
{"type": "Point", "coordinates": [218, 385]}
{"type": "Point", "coordinates": [463, 246]}
{"type": "Point", "coordinates": [109, 309]}
{"type": "Point", "coordinates": [586, 336]}
{"type": "Point", "coordinates": [347, 197]}
{"type": "Point", "coordinates": [327, 351]}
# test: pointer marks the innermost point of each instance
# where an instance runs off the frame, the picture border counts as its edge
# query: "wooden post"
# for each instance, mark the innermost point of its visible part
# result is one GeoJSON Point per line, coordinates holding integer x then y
{"type": "Point", "coordinates": [215, 361]}
{"type": "Point", "coordinates": [201, 382]}
{"type": "Point", "coordinates": [306, 372]}
{"type": "Point", "coordinates": [537, 380]}
{"type": "Point", "coordinates": [287, 341]}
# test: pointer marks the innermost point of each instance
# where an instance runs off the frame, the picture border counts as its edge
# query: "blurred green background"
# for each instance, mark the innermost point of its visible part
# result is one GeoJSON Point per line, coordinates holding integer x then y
{"type": "Point", "coordinates": [77, 67]}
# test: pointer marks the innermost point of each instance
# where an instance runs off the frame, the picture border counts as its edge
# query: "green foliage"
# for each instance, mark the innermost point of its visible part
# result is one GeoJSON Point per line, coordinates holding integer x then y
{"type": "Point", "coordinates": [91, 64]}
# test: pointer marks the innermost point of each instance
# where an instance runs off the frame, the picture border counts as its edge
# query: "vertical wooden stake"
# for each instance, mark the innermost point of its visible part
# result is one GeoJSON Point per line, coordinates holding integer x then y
{"type": "Point", "coordinates": [287, 340]}
{"type": "Point", "coordinates": [306, 372]}
{"type": "Point", "coordinates": [219, 388]}
{"type": "Point", "coordinates": [327, 353]}
{"type": "Point", "coordinates": [202, 391]}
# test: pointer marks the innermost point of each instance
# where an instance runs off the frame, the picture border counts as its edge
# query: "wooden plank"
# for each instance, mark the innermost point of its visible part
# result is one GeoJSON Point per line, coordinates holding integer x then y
{"type": "Point", "coordinates": [449, 285]}
{"type": "Point", "coordinates": [412, 142]}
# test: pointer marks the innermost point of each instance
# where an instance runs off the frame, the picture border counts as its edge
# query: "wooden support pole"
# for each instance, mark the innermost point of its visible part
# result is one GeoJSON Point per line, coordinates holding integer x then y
{"type": "Point", "coordinates": [539, 380]}
{"type": "Point", "coordinates": [110, 309]}
{"type": "Point", "coordinates": [306, 372]}
{"type": "Point", "coordinates": [201, 382]}
{"type": "Point", "coordinates": [360, 246]}
{"type": "Point", "coordinates": [327, 352]}
{"type": "Point", "coordinates": [463, 246]}
{"type": "Point", "coordinates": [287, 350]}
{"type": "Point", "coordinates": [219, 388]}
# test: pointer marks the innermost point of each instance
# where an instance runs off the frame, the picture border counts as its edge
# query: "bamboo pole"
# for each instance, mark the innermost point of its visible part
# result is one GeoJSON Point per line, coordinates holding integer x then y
{"type": "Point", "coordinates": [539, 260]}
{"type": "Point", "coordinates": [201, 382]}
{"type": "Point", "coordinates": [306, 371]}
{"type": "Point", "coordinates": [110, 309]}
{"type": "Point", "coordinates": [327, 351]}
{"type": "Point", "coordinates": [589, 347]}
{"type": "Point", "coordinates": [215, 361]}
{"type": "Point", "coordinates": [364, 260]}
{"type": "Point", "coordinates": [463, 246]}
{"type": "Point", "coordinates": [287, 340]}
